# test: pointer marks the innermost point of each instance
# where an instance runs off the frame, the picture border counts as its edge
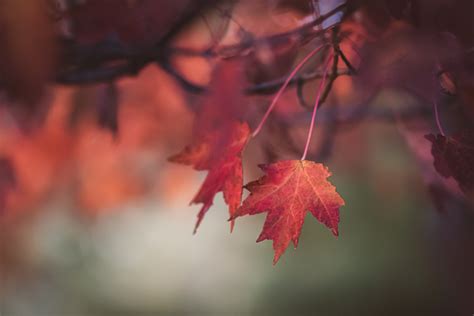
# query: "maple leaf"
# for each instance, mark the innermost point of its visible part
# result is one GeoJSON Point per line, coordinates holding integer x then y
{"type": "Point", "coordinates": [454, 157]}
{"type": "Point", "coordinates": [219, 139]}
{"type": "Point", "coordinates": [221, 154]}
{"type": "Point", "coordinates": [288, 190]}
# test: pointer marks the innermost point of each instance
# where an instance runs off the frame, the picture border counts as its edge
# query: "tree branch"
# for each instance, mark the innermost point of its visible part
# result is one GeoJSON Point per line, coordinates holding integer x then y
{"type": "Point", "coordinates": [110, 59]}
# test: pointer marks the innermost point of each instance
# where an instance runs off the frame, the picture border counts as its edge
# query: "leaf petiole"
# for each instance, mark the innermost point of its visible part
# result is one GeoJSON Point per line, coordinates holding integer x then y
{"type": "Point", "coordinates": [316, 105]}
{"type": "Point", "coordinates": [283, 87]}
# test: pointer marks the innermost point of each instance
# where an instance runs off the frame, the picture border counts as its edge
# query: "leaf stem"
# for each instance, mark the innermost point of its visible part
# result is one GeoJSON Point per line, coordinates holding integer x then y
{"type": "Point", "coordinates": [283, 87]}
{"type": "Point", "coordinates": [438, 121]}
{"type": "Point", "coordinates": [316, 104]}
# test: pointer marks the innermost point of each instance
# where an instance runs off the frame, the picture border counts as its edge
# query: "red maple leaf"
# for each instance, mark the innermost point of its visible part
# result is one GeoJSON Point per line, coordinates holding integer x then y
{"type": "Point", "coordinates": [221, 154]}
{"type": "Point", "coordinates": [219, 139]}
{"type": "Point", "coordinates": [454, 157]}
{"type": "Point", "coordinates": [288, 190]}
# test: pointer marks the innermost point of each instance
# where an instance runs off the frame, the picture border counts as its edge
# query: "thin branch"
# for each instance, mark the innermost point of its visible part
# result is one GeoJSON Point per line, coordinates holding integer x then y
{"type": "Point", "coordinates": [185, 83]}
{"type": "Point", "coordinates": [283, 87]}
{"type": "Point", "coordinates": [437, 118]}
{"type": "Point", "coordinates": [110, 59]}
{"type": "Point", "coordinates": [333, 76]}
{"type": "Point", "coordinates": [316, 105]}
{"type": "Point", "coordinates": [272, 86]}
{"type": "Point", "coordinates": [345, 60]}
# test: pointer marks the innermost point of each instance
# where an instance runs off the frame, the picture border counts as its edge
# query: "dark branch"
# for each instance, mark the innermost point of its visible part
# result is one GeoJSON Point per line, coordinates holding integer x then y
{"type": "Point", "coordinates": [270, 87]}
{"type": "Point", "coordinates": [110, 60]}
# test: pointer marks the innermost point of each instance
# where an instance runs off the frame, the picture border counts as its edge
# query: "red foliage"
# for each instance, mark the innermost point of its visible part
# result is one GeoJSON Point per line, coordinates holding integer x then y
{"type": "Point", "coordinates": [219, 141]}
{"type": "Point", "coordinates": [287, 192]}
{"type": "Point", "coordinates": [454, 157]}
{"type": "Point", "coordinates": [422, 47]}
{"type": "Point", "coordinates": [222, 156]}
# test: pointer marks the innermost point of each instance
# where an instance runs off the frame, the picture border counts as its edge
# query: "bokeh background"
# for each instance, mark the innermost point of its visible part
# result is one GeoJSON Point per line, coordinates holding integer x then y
{"type": "Point", "coordinates": [99, 224]}
{"type": "Point", "coordinates": [138, 255]}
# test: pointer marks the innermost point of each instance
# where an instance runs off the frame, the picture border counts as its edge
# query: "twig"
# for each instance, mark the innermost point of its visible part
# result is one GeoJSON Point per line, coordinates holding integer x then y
{"type": "Point", "coordinates": [270, 87]}
{"type": "Point", "coordinates": [110, 59]}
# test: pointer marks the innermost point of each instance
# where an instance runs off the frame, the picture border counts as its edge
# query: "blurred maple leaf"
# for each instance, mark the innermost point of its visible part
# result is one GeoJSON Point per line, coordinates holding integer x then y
{"type": "Point", "coordinates": [222, 156]}
{"type": "Point", "coordinates": [219, 140]}
{"type": "Point", "coordinates": [454, 157]}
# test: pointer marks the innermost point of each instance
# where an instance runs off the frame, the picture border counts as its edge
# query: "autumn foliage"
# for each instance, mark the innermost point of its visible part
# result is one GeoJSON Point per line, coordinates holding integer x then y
{"type": "Point", "coordinates": [222, 156]}
{"type": "Point", "coordinates": [249, 72]}
{"type": "Point", "coordinates": [287, 192]}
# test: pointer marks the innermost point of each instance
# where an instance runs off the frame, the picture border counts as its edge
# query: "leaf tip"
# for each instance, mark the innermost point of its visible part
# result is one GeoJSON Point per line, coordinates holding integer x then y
{"type": "Point", "coordinates": [232, 225]}
{"type": "Point", "coordinates": [262, 237]}
{"type": "Point", "coordinates": [276, 258]}
{"type": "Point", "coordinates": [198, 222]}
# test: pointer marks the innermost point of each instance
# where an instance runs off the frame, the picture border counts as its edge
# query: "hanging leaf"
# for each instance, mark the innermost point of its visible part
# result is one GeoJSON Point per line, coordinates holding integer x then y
{"type": "Point", "coordinates": [287, 192]}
